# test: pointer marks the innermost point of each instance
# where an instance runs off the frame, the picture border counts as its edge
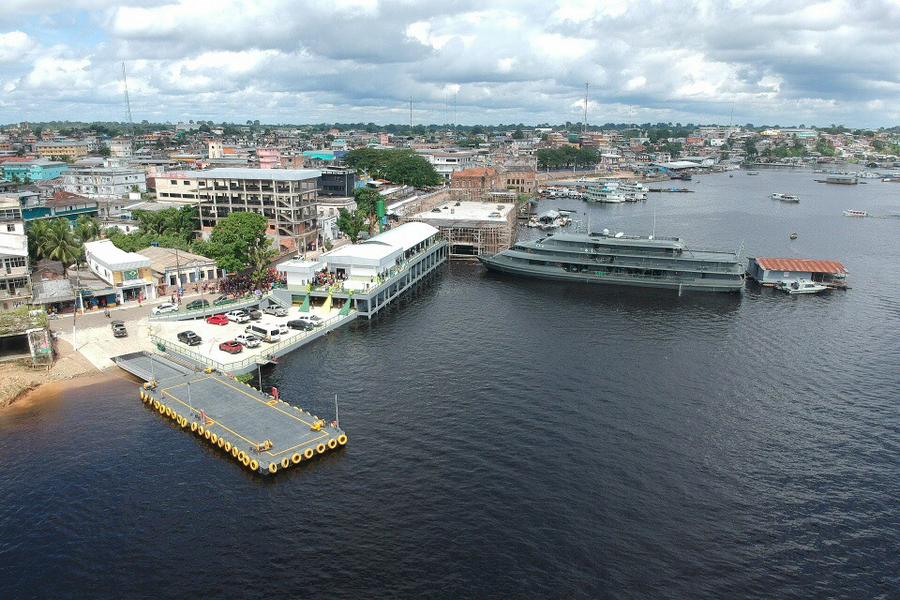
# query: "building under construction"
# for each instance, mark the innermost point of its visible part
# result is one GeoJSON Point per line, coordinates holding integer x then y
{"type": "Point", "coordinates": [472, 228]}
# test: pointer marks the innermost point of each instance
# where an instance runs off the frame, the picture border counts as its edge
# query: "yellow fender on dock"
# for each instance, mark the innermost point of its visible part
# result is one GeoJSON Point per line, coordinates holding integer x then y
{"type": "Point", "coordinates": [193, 426]}
{"type": "Point", "coordinates": [332, 444]}
{"type": "Point", "coordinates": [273, 468]}
{"type": "Point", "coordinates": [342, 439]}
{"type": "Point", "coordinates": [254, 465]}
{"type": "Point", "coordinates": [285, 462]}
{"type": "Point", "coordinates": [206, 434]}
{"type": "Point", "coordinates": [320, 448]}
{"type": "Point", "coordinates": [214, 439]}
{"type": "Point", "coordinates": [296, 458]}
{"type": "Point", "coordinates": [200, 430]}
{"type": "Point", "coordinates": [227, 445]}
{"type": "Point", "coordinates": [234, 452]}
{"type": "Point", "coordinates": [246, 460]}
{"type": "Point", "coordinates": [308, 453]}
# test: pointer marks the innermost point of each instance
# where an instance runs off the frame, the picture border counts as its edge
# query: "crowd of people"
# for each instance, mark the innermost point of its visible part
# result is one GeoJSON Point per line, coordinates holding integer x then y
{"type": "Point", "coordinates": [240, 285]}
{"type": "Point", "coordinates": [324, 278]}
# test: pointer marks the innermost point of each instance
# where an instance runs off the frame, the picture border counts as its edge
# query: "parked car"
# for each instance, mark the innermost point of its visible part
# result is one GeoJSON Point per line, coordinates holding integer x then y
{"type": "Point", "coordinates": [255, 314]}
{"type": "Point", "coordinates": [238, 316]}
{"type": "Point", "coordinates": [248, 340]}
{"type": "Point", "coordinates": [283, 329]}
{"type": "Point", "coordinates": [165, 307]}
{"type": "Point", "coordinates": [300, 324]}
{"type": "Point", "coordinates": [316, 321]}
{"type": "Point", "coordinates": [275, 310]}
{"type": "Point", "coordinates": [190, 338]}
{"type": "Point", "coordinates": [118, 328]}
{"type": "Point", "coordinates": [221, 300]}
{"type": "Point", "coordinates": [217, 320]}
{"type": "Point", "coordinates": [231, 347]}
{"type": "Point", "coordinates": [267, 332]}
{"type": "Point", "coordinates": [198, 304]}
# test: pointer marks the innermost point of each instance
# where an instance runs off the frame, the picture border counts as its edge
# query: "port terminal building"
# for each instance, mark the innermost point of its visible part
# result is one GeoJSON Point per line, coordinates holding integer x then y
{"type": "Point", "coordinates": [369, 274]}
{"type": "Point", "coordinates": [472, 228]}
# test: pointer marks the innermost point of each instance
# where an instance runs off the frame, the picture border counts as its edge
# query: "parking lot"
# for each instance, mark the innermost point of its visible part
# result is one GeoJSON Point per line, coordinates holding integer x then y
{"type": "Point", "coordinates": [213, 335]}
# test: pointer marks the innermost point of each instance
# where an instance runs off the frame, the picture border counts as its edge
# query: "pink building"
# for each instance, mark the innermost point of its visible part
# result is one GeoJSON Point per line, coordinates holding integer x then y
{"type": "Point", "coordinates": [269, 158]}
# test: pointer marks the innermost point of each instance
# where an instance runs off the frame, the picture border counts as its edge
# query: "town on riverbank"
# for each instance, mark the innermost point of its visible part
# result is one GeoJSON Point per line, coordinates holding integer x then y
{"type": "Point", "coordinates": [229, 245]}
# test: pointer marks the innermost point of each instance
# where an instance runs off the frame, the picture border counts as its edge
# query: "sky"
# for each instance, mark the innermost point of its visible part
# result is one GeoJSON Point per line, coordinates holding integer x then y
{"type": "Point", "coordinates": [460, 61]}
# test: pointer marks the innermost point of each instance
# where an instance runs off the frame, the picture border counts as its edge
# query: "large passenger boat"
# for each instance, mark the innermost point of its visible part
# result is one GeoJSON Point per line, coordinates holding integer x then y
{"type": "Point", "coordinates": [618, 259]}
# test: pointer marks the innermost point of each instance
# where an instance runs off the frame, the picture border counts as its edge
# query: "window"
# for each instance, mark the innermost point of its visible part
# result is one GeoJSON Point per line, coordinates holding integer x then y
{"type": "Point", "coordinates": [10, 227]}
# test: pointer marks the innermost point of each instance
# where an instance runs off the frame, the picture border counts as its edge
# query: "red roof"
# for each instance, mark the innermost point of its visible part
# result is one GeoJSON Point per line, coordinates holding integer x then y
{"type": "Point", "coordinates": [801, 265]}
{"type": "Point", "coordinates": [475, 172]}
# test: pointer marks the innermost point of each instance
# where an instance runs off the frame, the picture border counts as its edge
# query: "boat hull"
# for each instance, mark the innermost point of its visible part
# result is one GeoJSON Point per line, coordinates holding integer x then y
{"type": "Point", "coordinates": [499, 264]}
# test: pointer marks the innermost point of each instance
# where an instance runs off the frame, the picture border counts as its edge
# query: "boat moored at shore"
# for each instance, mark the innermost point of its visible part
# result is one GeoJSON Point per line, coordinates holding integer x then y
{"type": "Point", "coordinates": [617, 259]}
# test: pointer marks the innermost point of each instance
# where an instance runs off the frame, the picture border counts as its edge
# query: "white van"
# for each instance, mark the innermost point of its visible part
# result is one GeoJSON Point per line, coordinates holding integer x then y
{"type": "Point", "coordinates": [268, 332]}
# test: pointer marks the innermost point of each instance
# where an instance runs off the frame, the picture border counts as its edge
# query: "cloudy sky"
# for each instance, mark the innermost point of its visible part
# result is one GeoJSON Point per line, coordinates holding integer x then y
{"type": "Point", "coordinates": [291, 61]}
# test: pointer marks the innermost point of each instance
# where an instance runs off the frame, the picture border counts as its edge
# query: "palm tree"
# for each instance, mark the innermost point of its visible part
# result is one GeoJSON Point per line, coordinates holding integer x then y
{"type": "Point", "coordinates": [58, 243]}
{"type": "Point", "coordinates": [87, 229]}
{"type": "Point", "coordinates": [37, 232]}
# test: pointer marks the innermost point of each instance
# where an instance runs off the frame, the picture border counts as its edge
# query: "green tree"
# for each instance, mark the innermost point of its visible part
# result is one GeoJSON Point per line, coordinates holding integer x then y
{"type": "Point", "coordinates": [58, 243]}
{"type": "Point", "coordinates": [104, 151]}
{"type": "Point", "coordinates": [398, 166]}
{"type": "Point", "coordinates": [518, 135]}
{"type": "Point", "coordinates": [87, 229]}
{"type": "Point", "coordinates": [239, 243]}
{"type": "Point", "coordinates": [352, 223]}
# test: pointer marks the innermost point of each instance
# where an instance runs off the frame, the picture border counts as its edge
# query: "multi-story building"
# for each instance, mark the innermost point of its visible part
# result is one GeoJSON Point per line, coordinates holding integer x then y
{"type": "Point", "coordinates": [15, 283]}
{"type": "Point", "coordinates": [177, 186]}
{"type": "Point", "coordinates": [328, 210]}
{"type": "Point", "coordinates": [60, 205]}
{"type": "Point", "coordinates": [337, 181]}
{"type": "Point", "coordinates": [64, 149]}
{"type": "Point", "coordinates": [127, 273]}
{"type": "Point", "coordinates": [104, 182]}
{"type": "Point", "coordinates": [448, 162]}
{"type": "Point", "coordinates": [41, 169]}
{"type": "Point", "coordinates": [120, 147]}
{"type": "Point", "coordinates": [268, 158]}
{"type": "Point", "coordinates": [286, 197]}
{"type": "Point", "coordinates": [474, 184]}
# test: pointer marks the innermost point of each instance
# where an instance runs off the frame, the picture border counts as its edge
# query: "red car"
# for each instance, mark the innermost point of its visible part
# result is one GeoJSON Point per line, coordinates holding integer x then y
{"type": "Point", "coordinates": [231, 347]}
{"type": "Point", "coordinates": [217, 320]}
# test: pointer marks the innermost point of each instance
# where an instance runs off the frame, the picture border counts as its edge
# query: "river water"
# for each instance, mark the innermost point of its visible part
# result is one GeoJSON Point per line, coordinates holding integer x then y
{"type": "Point", "coordinates": [521, 438]}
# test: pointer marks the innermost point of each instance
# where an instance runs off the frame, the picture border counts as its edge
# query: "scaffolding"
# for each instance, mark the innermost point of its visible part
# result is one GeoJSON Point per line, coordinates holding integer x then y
{"type": "Point", "coordinates": [470, 238]}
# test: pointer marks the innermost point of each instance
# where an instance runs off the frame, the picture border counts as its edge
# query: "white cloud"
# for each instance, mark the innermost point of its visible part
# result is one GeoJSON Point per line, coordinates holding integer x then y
{"type": "Point", "coordinates": [502, 60]}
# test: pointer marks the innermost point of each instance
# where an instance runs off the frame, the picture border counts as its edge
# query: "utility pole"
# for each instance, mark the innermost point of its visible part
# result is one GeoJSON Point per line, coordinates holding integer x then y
{"type": "Point", "coordinates": [584, 123]}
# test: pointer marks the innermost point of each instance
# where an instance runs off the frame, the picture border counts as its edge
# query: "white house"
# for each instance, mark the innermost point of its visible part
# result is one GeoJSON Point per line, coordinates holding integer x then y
{"type": "Point", "coordinates": [127, 273]}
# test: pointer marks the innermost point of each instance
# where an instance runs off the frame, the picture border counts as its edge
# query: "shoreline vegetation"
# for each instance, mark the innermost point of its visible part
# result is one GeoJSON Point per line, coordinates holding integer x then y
{"type": "Point", "coordinates": [21, 380]}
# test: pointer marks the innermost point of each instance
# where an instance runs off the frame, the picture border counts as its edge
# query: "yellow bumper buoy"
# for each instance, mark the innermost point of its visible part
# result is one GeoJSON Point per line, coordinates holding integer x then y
{"type": "Point", "coordinates": [254, 465]}
{"type": "Point", "coordinates": [273, 468]}
{"type": "Point", "coordinates": [200, 430]}
{"type": "Point", "coordinates": [162, 409]}
{"type": "Point", "coordinates": [295, 458]}
{"type": "Point", "coordinates": [234, 452]}
{"type": "Point", "coordinates": [214, 439]}
{"type": "Point", "coordinates": [156, 405]}
{"type": "Point", "coordinates": [332, 443]}
{"type": "Point", "coordinates": [285, 462]}
{"type": "Point", "coordinates": [221, 442]}
{"type": "Point", "coordinates": [227, 446]}
{"type": "Point", "coordinates": [206, 434]}
{"type": "Point", "coordinates": [320, 448]}
{"type": "Point", "coordinates": [193, 426]}
{"type": "Point", "coordinates": [308, 453]}
{"type": "Point", "coordinates": [246, 460]}
{"type": "Point", "coordinates": [342, 439]}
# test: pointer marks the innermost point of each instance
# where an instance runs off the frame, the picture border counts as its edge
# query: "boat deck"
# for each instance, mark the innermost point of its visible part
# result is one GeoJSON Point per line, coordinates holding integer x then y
{"type": "Point", "coordinates": [265, 434]}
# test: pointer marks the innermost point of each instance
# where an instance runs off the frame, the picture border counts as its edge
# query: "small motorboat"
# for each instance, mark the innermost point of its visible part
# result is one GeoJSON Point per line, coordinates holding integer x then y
{"type": "Point", "coordinates": [785, 197]}
{"type": "Point", "coordinates": [801, 286]}
{"type": "Point", "coordinates": [855, 213]}
{"type": "Point", "coordinates": [794, 235]}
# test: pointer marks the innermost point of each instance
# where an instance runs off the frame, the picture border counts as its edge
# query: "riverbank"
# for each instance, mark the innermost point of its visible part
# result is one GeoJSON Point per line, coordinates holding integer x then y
{"type": "Point", "coordinates": [19, 378]}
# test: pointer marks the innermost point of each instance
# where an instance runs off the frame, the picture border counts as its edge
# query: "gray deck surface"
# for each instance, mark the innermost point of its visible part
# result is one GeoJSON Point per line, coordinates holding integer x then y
{"type": "Point", "coordinates": [235, 412]}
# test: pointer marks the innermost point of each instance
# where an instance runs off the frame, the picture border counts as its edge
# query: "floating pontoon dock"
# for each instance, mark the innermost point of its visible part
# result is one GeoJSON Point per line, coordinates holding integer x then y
{"type": "Point", "coordinates": [262, 432]}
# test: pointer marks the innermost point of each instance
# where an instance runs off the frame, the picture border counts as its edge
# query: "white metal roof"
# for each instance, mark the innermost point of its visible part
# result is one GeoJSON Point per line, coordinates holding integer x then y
{"type": "Point", "coordinates": [13, 244]}
{"type": "Point", "coordinates": [404, 236]}
{"type": "Point", "coordinates": [104, 251]}
{"type": "Point", "coordinates": [265, 174]}
{"type": "Point", "coordinates": [368, 249]}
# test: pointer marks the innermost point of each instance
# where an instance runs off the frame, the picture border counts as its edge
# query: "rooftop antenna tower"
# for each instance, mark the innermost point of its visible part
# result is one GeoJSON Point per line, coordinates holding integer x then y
{"type": "Point", "coordinates": [584, 123]}
{"type": "Point", "coordinates": [127, 101]}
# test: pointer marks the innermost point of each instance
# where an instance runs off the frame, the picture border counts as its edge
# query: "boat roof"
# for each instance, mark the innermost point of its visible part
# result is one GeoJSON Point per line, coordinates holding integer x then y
{"type": "Point", "coordinates": [622, 240]}
{"type": "Point", "coordinates": [801, 265]}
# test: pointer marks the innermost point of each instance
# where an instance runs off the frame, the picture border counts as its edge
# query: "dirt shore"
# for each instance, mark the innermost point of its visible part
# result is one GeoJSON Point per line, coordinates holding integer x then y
{"type": "Point", "coordinates": [19, 378]}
